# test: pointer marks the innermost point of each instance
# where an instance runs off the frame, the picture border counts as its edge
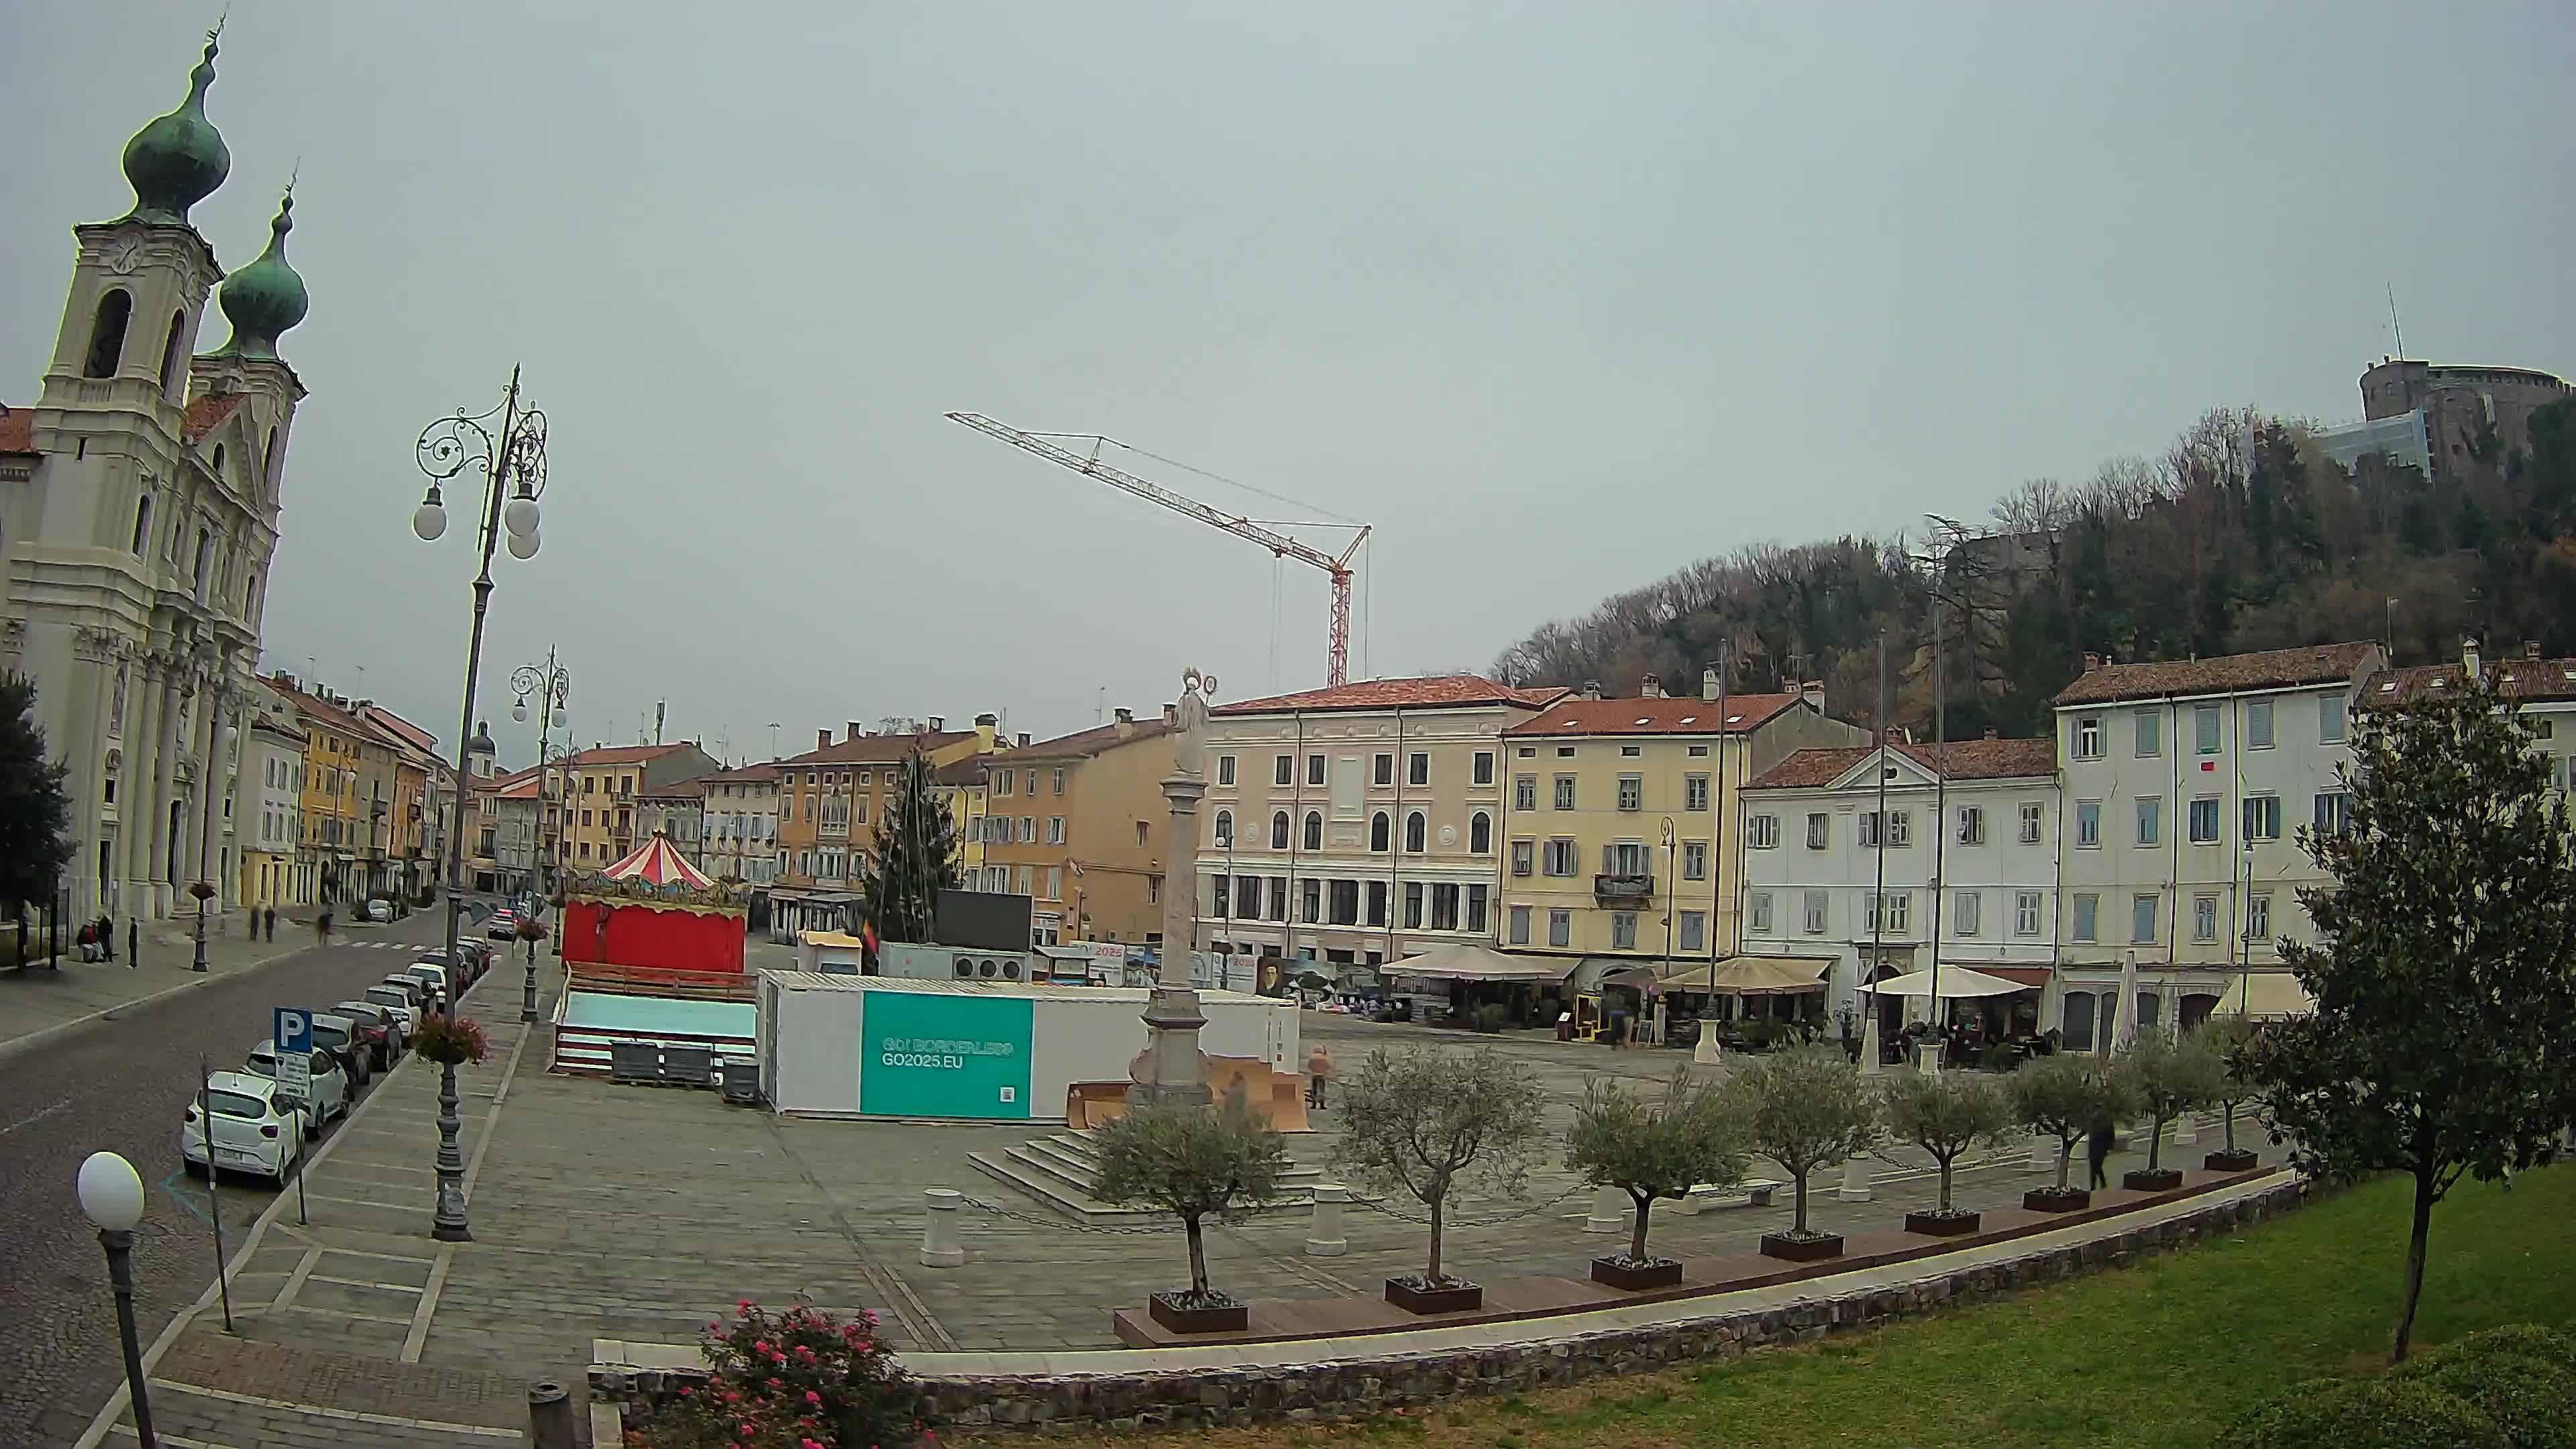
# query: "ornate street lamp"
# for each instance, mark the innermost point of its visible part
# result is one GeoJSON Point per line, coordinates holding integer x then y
{"type": "Point", "coordinates": [513, 464]}
{"type": "Point", "coordinates": [551, 683]}
{"type": "Point", "coordinates": [111, 1196]}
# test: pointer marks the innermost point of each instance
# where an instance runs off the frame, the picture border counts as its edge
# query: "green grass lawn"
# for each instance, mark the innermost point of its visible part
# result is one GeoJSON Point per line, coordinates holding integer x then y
{"type": "Point", "coordinates": [2157, 1354]}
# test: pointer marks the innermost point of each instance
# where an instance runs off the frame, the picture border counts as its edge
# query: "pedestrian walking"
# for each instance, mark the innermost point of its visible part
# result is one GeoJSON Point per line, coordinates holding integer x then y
{"type": "Point", "coordinates": [269, 918]}
{"type": "Point", "coordinates": [2097, 1149]}
{"type": "Point", "coordinates": [133, 942]}
{"type": "Point", "coordinates": [322, 928]}
{"type": "Point", "coordinates": [1319, 1066]}
{"type": "Point", "coordinates": [106, 939]}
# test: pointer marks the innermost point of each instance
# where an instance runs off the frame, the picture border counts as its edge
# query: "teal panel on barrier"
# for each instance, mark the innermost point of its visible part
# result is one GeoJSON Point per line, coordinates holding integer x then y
{"type": "Point", "coordinates": [941, 1055]}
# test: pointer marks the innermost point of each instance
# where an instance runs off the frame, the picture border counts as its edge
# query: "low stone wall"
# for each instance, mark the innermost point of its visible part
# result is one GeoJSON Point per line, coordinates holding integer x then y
{"type": "Point", "coordinates": [1356, 1386]}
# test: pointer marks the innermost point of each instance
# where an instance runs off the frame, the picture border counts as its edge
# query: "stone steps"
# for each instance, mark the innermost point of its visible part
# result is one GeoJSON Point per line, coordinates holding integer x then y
{"type": "Point", "coordinates": [1063, 1172]}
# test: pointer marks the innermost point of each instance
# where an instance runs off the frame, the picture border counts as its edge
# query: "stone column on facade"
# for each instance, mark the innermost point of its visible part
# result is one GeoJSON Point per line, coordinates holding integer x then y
{"type": "Point", "coordinates": [135, 810]}
{"type": "Point", "coordinates": [1173, 1071]}
{"type": "Point", "coordinates": [177, 694]}
{"type": "Point", "coordinates": [87, 725]}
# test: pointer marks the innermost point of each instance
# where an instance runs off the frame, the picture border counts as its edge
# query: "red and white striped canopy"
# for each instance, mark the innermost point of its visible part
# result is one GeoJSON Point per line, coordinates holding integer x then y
{"type": "Point", "coordinates": [656, 864]}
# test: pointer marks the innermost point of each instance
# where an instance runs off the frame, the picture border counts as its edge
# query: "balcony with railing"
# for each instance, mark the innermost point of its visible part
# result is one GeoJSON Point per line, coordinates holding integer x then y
{"type": "Point", "coordinates": [1623, 887]}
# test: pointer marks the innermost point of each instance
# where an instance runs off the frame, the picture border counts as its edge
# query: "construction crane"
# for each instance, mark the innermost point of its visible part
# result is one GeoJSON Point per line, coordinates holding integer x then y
{"type": "Point", "coordinates": [1279, 544]}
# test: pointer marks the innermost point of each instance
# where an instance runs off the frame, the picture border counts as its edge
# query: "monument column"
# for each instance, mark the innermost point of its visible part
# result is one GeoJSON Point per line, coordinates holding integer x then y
{"type": "Point", "coordinates": [134, 805]}
{"type": "Point", "coordinates": [1172, 1073]}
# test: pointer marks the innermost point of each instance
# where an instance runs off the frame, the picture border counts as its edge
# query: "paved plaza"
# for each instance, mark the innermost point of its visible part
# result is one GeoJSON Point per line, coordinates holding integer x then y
{"type": "Point", "coordinates": [638, 1213]}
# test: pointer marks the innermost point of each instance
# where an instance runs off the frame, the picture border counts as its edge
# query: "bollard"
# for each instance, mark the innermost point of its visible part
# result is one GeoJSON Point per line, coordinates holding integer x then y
{"type": "Point", "coordinates": [1609, 1211]}
{"type": "Point", "coordinates": [1855, 1186]}
{"type": "Point", "coordinates": [2186, 1130]}
{"type": "Point", "coordinates": [549, 1415]}
{"type": "Point", "coordinates": [1324, 1237]}
{"type": "Point", "coordinates": [939, 1245]}
{"type": "Point", "coordinates": [2043, 1152]}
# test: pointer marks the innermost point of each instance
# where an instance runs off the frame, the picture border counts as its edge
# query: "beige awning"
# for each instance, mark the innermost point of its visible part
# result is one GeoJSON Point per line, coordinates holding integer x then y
{"type": "Point", "coordinates": [1752, 975]}
{"type": "Point", "coordinates": [2265, 994]}
{"type": "Point", "coordinates": [1956, 982]}
{"type": "Point", "coordinates": [1467, 962]}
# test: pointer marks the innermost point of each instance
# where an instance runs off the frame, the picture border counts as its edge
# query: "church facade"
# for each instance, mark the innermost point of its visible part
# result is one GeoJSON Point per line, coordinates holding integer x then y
{"type": "Point", "coordinates": [138, 519]}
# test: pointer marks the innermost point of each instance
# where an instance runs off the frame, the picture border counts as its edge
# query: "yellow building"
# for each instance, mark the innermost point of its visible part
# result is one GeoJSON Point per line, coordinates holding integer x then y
{"type": "Point", "coordinates": [1617, 820]}
{"type": "Point", "coordinates": [831, 801]}
{"type": "Point", "coordinates": [333, 825]}
{"type": "Point", "coordinates": [599, 806]}
{"type": "Point", "coordinates": [1077, 824]}
{"type": "Point", "coordinates": [963, 788]}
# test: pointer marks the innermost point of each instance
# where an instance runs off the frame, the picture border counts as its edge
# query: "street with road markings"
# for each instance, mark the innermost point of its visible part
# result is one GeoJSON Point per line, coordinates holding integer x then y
{"type": "Point", "coordinates": [121, 1084]}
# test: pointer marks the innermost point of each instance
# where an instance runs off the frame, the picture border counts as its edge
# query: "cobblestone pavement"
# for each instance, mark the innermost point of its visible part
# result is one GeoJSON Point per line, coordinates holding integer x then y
{"type": "Point", "coordinates": [120, 1084]}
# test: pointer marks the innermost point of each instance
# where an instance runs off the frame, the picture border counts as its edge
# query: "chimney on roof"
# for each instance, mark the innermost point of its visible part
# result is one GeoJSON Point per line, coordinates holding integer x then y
{"type": "Point", "coordinates": [1591, 689]}
{"type": "Point", "coordinates": [1708, 685]}
{"type": "Point", "coordinates": [1024, 739]}
{"type": "Point", "coordinates": [1650, 687]}
{"type": "Point", "coordinates": [939, 724]}
{"type": "Point", "coordinates": [1172, 714]}
{"type": "Point", "coordinates": [855, 731]}
{"type": "Point", "coordinates": [2092, 661]}
{"type": "Point", "coordinates": [1125, 723]}
{"type": "Point", "coordinates": [988, 729]}
{"type": "Point", "coordinates": [822, 739]}
{"type": "Point", "coordinates": [2530, 648]}
{"type": "Point", "coordinates": [2469, 671]}
{"type": "Point", "coordinates": [1990, 732]}
{"type": "Point", "coordinates": [1813, 692]}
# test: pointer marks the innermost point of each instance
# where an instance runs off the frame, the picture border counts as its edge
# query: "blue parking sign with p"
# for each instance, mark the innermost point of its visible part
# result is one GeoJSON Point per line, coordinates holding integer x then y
{"type": "Point", "coordinates": [292, 1030]}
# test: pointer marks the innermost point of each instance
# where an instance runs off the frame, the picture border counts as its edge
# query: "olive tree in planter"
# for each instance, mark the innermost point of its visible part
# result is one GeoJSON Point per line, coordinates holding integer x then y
{"type": "Point", "coordinates": [1945, 1116]}
{"type": "Point", "coordinates": [2225, 1038]}
{"type": "Point", "coordinates": [2166, 1078]}
{"type": "Point", "coordinates": [1194, 1163]}
{"type": "Point", "coordinates": [1652, 1150]}
{"type": "Point", "coordinates": [1804, 1108]}
{"type": "Point", "coordinates": [2062, 1096]}
{"type": "Point", "coordinates": [1427, 1122]}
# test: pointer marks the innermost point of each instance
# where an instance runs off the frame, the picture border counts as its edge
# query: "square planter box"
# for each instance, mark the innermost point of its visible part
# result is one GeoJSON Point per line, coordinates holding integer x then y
{"type": "Point", "coordinates": [1232, 1318]}
{"type": "Point", "coordinates": [1460, 1299]}
{"type": "Point", "coordinates": [2162, 1179]}
{"type": "Point", "coordinates": [2239, 1160]}
{"type": "Point", "coordinates": [1661, 1273]}
{"type": "Point", "coordinates": [2050, 1200]}
{"type": "Point", "coordinates": [1801, 1250]}
{"type": "Point", "coordinates": [1943, 1225]}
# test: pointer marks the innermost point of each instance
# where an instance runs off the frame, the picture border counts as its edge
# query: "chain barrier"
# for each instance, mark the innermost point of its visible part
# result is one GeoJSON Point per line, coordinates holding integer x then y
{"type": "Point", "coordinates": [1424, 1219]}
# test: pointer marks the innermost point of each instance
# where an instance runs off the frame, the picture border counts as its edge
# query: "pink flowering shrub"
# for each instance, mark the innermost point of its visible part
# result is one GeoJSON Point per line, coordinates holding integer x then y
{"type": "Point", "coordinates": [799, 1379]}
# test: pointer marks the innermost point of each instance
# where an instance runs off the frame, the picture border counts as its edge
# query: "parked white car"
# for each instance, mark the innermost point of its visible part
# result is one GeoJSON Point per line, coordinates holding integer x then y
{"type": "Point", "coordinates": [402, 1003]}
{"type": "Point", "coordinates": [330, 1096]}
{"type": "Point", "coordinates": [253, 1131]}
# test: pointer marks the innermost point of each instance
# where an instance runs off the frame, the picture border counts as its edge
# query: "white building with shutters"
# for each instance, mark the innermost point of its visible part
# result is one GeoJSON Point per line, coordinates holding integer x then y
{"type": "Point", "coordinates": [1961, 866]}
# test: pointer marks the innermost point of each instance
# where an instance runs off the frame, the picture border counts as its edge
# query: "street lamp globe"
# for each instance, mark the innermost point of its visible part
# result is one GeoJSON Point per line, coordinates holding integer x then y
{"type": "Point", "coordinates": [523, 545]}
{"type": "Point", "coordinates": [520, 514]}
{"type": "Point", "coordinates": [519, 711]}
{"type": "Point", "coordinates": [110, 1192]}
{"type": "Point", "coordinates": [429, 520]}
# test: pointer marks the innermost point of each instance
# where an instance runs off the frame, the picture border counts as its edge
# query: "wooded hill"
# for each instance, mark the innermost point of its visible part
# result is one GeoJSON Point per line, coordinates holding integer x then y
{"type": "Point", "coordinates": [2242, 535]}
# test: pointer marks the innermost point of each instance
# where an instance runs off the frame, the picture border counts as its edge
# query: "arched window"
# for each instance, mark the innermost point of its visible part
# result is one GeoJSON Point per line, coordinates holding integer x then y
{"type": "Point", "coordinates": [205, 560]}
{"type": "Point", "coordinates": [1225, 827]}
{"type": "Point", "coordinates": [219, 463]}
{"type": "Point", "coordinates": [269, 462]}
{"type": "Point", "coordinates": [1279, 830]}
{"type": "Point", "coordinates": [250, 601]}
{"type": "Point", "coordinates": [170, 352]}
{"type": "Point", "coordinates": [107, 333]}
{"type": "Point", "coordinates": [1314, 830]}
{"type": "Point", "coordinates": [1413, 831]}
{"type": "Point", "coordinates": [1378, 831]}
{"type": "Point", "coordinates": [1480, 833]}
{"type": "Point", "coordinates": [142, 523]}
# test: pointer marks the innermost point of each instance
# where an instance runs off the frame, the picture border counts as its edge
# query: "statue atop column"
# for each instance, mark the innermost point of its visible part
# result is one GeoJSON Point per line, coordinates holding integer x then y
{"type": "Point", "coordinates": [1189, 734]}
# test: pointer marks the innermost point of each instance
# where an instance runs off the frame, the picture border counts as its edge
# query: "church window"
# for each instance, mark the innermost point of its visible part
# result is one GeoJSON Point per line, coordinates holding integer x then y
{"type": "Point", "coordinates": [170, 352]}
{"type": "Point", "coordinates": [269, 462]}
{"type": "Point", "coordinates": [219, 462]}
{"type": "Point", "coordinates": [107, 333]}
{"type": "Point", "coordinates": [142, 523]}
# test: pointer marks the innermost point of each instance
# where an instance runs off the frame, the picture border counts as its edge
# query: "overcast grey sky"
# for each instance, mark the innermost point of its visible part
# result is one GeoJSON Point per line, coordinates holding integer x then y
{"type": "Point", "coordinates": [1560, 298]}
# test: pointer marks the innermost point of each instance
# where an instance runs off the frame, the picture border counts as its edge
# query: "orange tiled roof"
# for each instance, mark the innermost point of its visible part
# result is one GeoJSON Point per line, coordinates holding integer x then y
{"type": "Point", "coordinates": [1431, 692]}
{"type": "Point", "coordinates": [623, 754]}
{"type": "Point", "coordinates": [2513, 678]}
{"type": "Point", "coordinates": [17, 429]}
{"type": "Point", "coordinates": [2270, 669]}
{"type": "Point", "coordinates": [876, 749]}
{"type": "Point", "coordinates": [1962, 759]}
{"type": "Point", "coordinates": [745, 775]}
{"type": "Point", "coordinates": [206, 414]}
{"type": "Point", "coordinates": [1664, 716]}
{"type": "Point", "coordinates": [1084, 744]}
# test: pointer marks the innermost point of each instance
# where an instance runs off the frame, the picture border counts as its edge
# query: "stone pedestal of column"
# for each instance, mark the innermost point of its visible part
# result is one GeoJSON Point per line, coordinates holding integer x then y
{"type": "Point", "coordinates": [2043, 1152]}
{"type": "Point", "coordinates": [1855, 1186]}
{"type": "Point", "coordinates": [1173, 1074]}
{"type": "Point", "coordinates": [1610, 1209]}
{"type": "Point", "coordinates": [2186, 1130]}
{"type": "Point", "coordinates": [1324, 1237]}
{"type": "Point", "coordinates": [940, 1247]}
